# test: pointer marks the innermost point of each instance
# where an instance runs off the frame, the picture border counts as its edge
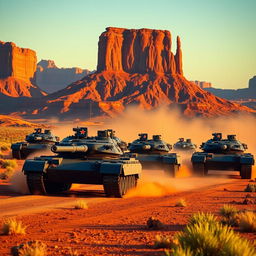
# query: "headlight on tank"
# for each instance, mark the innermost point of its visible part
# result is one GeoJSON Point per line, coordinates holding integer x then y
{"type": "Point", "coordinates": [224, 147]}
{"type": "Point", "coordinates": [147, 147]}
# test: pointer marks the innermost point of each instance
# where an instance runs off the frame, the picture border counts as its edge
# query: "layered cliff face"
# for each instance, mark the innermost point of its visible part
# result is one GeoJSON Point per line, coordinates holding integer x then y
{"type": "Point", "coordinates": [135, 67]}
{"type": "Point", "coordinates": [50, 78]}
{"type": "Point", "coordinates": [17, 71]}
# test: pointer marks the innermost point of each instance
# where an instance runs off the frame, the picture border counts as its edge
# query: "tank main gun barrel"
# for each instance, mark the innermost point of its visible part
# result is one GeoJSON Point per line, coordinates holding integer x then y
{"type": "Point", "coordinates": [69, 149]}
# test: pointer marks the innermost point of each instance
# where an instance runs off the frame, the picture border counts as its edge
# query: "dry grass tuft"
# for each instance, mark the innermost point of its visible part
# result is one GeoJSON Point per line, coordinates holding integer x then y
{"type": "Point", "coordinates": [250, 188]}
{"type": "Point", "coordinates": [247, 221]}
{"type": "Point", "coordinates": [81, 204]}
{"type": "Point", "coordinates": [153, 223]}
{"type": "Point", "coordinates": [229, 215]}
{"type": "Point", "coordinates": [181, 203]}
{"type": "Point", "coordinates": [164, 242]}
{"type": "Point", "coordinates": [31, 248]}
{"type": "Point", "coordinates": [12, 227]}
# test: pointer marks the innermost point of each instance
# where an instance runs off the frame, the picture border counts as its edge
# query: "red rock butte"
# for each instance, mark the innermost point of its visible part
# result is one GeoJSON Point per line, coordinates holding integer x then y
{"type": "Point", "coordinates": [17, 71]}
{"type": "Point", "coordinates": [138, 51]}
{"type": "Point", "coordinates": [136, 67]}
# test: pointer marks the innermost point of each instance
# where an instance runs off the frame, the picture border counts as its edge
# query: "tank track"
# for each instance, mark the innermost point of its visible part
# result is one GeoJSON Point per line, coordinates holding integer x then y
{"type": "Point", "coordinates": [246, 171]}
{"type": "Point", "coordinates": [199, 169]}
{"type": "Point", "coordinates": [35, 183]}
{"type": "Point", "coordinates": [117, 186]}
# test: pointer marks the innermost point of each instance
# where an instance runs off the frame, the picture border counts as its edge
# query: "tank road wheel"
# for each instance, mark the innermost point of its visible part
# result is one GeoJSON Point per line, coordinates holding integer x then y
{"type": "Point", "coordinates": [117, 186]}
{"type": "Point", "coordinates": [171, 170]}
{"type": "Point", "coordinates": [246, 171]}
{"type": "Point", "coordinates": [16, 154]}
{"type": "Point", "coordinates": [199, 169]}
{"type": "Point", "coordinates": [35, 183]}
{"type": "Point", "coordinates": [53, 187]}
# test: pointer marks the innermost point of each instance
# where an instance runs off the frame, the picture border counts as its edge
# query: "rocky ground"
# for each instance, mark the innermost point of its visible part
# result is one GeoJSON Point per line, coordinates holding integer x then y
{"type": "Point", "coordinates": [115, 226]}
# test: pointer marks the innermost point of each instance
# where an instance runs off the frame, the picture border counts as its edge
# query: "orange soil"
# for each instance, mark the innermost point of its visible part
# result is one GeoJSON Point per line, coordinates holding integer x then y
{"type": "Point", "coordinates": [111, 226]}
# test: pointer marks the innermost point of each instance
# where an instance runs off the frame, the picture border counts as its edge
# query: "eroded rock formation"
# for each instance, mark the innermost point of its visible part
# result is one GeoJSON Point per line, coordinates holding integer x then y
{"type": "Point", "coordinates": [17, 71]}
{"type": "Point", "coordinates": [202, 84]}
{"type": "Point", "coordinates": [135, 67]}
{"type": "Point", "coordinates": [50, 78]}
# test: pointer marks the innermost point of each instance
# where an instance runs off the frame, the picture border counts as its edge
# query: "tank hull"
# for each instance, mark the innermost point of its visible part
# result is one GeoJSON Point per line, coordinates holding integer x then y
{"type": "Point", "coordinates": [116, 175]}
{"type": "Point", "coordinates": [169, 162]}
{"type": "Point", "coordinates": [23, 150]}
{"type": "Point", "coordinates": [202, 162]}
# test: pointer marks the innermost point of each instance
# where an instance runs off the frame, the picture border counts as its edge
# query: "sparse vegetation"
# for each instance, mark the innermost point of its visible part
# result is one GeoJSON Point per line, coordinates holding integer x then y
{"type": "Point", "coordinates": [211, 240]}
{"type": "Point", "coordinates": [250, 188]}
{"type": "Point", "coordinates": [229, 215]}
{"type": "Point", "coordinates": [181, 203]}
{"type": "Point", "coordinates": [72, 252]}
{"type": "Point", "coordinates": [12, 226]}
{"type": "Point", "coordinates": [247, 221]}
{"type": "Point", "coordinates": [164, 242]}
{"type": "Point", "coordinates": [179, 251]}
{"type": "Point", "coordinates": [8, 165]}
{"type": "Point", "coordinates": [31, 248]}
{"type": "Point", "coordinates": [153, 223]}
{"type": "Point", "coordinates": [202, 218]}
{"type": "Point", "coordinates": [4, 146]}
{"type": "Point", "coordinates": [7, 173]}
{"type": "Point", "coordinates": [11, 135]}
{"type": "Point", "coordinates": [81, 204]}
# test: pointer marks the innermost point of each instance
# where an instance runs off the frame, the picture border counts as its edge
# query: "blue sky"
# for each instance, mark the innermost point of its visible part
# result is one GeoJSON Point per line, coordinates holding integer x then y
{"type": "Point", "coordinates": [218, 36]}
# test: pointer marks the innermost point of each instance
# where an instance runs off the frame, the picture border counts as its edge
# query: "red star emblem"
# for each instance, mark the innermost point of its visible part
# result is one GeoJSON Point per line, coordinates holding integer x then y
{"type": "Point", "coordinates": [82, 132]}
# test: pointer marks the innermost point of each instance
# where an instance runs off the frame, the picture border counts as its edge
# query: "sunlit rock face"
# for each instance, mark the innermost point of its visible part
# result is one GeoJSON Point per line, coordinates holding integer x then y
{"type": "Point", "coordinates": [17, 71]}
{"type": "Point", "coordinates": [136, 67]}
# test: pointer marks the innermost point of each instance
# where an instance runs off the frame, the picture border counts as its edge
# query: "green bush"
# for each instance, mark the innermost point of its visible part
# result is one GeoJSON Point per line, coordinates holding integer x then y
{"type": "Point", "coordinates": [210, 240]}
{"type": "Point", "coordinates": [229, 215]}
{"type": "Point", "coordinates": [201, 217]}
{"type": "Point", "coordinates": [247, 221]}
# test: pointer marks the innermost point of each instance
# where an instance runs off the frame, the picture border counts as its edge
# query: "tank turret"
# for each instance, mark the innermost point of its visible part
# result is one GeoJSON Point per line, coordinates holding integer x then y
{"type": "Point", "coordinates": [154, 153]}
{"type": "Point", "coordinates": [184, 145]}
{"type": "Point", "coordinates": [223, 146]}
{"type": "Point", "coordinates": [223, 154]}
{"type": "Point", "coordinates": [149, 146]}
{"type": "Point", "coordinates": [38, 141]}
{"type": "Point", "coordinates": [84, 159]}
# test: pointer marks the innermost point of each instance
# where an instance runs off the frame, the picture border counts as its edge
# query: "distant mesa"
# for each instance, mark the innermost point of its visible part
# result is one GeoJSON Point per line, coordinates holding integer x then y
{"type": "Point", "coordinates": [17, 71]}
{"type": "Point", "coordinates": [50, 78]}
{"type": "Point", "coordinates": [244, 96]}
{"type": "Point", "coordinates": [202, 84]}
{"type": "Point", "coordinates": [136, 67]}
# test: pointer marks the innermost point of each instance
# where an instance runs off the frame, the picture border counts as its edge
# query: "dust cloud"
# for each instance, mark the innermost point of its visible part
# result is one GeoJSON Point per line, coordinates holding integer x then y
{"type": "Point", "coordinates": [19, 183]}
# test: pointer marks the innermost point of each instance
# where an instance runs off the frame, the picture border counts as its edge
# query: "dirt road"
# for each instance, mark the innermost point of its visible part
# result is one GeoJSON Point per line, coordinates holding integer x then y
{"type": "Point", "coordinates": [116, 226]}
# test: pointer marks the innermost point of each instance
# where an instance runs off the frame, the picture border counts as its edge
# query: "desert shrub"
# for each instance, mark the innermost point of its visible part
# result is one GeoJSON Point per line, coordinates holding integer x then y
{"type": "Point", "coordinates": [72, 252]}
{"type": "Point", "coordinates": [247, 221]}
{"type": "Point", "coordinates": [81, 204]}
{"type": "Point", "coordinates": [4, 146]}
{"type": "Point", "coordinates": [210, 240]}
{"type": "Point", "coordinates": [179, 251]}
{"type": "Point", "coordinates": [229, 215]}
{"type": "Point", "coordinates": [153, 223]}
{"type": "Point", "coordinates": [7, 174]}
{"type": "Point", "coordinates": [164, 242]}
{"type": "Point", "coordinates": [202, 217]}
{"type": "Point", "coordinates": [8, 163]}
{"type": "Point", "coordinates": [250, 188]}
{"type": "Point", "coordinates": [31, 248]}
{"type": "Point", "coordinates": [181, 203]}
{"type": "Point", "coordinates": [12, 226]}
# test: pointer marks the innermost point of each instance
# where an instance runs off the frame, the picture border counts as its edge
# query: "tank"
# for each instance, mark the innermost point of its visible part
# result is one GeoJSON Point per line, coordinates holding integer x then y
{"type": "Point", "coordinates": [39, 140]}
{"type": "Point", "coordinates": [184, 145]}
{"type": "Point", "coordinates": [84, 160]}
{"type": "Point", "coordinates": [154, 154]}
{"type": "Point", "coordinates": [223, 154]}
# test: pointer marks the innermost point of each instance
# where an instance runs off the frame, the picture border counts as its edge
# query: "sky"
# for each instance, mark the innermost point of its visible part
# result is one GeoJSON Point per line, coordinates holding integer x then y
{"type": "Point", "coordinates": [218, 36]}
